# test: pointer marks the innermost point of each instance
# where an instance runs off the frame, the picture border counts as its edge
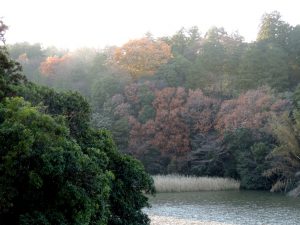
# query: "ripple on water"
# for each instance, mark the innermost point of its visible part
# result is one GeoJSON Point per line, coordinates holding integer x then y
{"type": "Point", "coordinates": [159, 220]}
{"type": "Point", "coordinates": [238, 208]}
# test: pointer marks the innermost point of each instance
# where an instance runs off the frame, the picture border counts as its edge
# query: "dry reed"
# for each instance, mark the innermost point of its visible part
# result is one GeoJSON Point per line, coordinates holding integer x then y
{"type": "Point", "coordinates": [178, 183]}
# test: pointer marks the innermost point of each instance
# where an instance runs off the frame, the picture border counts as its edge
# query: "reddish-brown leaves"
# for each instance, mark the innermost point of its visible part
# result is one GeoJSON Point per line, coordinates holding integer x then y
{"type": "Point", "coordinates": [172, 133]}
{"type": "Point", "coordinates": [201, 111]}
{"type": "Point", "coordinates": [250, 110]}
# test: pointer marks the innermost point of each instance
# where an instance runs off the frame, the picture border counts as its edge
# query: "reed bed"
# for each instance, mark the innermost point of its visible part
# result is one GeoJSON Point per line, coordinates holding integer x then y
{"type": "Point", "coordinates": [179, 183]}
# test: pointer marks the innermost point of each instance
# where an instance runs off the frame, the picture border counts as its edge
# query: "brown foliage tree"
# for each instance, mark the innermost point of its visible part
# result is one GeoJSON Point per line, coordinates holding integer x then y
{"type": "Point", "coordinates": [251, 110]}
{"type": "Point", "coordinates": [142, 56]}
{"type": "Point", "coordinates": [141, 136]}
{"type": "Point", "coordinates": [201, 111]}
{"type": "Point", "coordinates": [172, 133]}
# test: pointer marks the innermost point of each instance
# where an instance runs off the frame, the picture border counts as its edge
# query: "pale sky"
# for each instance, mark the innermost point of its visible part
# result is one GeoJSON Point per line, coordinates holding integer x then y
{"type": "Point", "coordinates": [98, 23]}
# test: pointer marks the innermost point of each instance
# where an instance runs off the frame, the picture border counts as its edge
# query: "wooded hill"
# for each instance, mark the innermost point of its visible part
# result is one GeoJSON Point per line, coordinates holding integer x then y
{"type": "Point", "coordinates": [190, 103]}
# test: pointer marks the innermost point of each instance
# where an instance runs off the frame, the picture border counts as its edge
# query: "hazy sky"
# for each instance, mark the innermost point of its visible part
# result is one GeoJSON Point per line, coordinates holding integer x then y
{"type": "Point", "coordinates": [97, 23]}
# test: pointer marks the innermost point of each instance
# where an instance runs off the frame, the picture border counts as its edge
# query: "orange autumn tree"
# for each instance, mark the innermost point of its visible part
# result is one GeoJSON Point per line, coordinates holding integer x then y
{"type": "Point", "coordinates": [142, 56]}
{"type": "Point", "coordinates": [53, 64]}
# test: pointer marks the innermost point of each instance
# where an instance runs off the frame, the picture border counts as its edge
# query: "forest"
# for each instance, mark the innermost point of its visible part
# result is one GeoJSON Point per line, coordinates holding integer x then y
{"type": "Point", "coordinates": [54, 167]}
{"type": "Point", "coordinates": [195, 104]}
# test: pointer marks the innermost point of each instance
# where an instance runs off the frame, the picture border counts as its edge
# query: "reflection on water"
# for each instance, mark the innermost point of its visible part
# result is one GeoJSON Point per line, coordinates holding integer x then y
{"type": "Point", "coordinates": [234, 207]}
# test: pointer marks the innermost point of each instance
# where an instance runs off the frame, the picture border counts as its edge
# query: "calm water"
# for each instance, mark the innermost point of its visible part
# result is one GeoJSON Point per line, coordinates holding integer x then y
{"type": "Point", "coordinates": [234, 207]}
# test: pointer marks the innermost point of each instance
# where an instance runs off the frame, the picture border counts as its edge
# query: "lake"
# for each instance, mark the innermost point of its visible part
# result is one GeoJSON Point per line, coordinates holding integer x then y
{"type": "Point", "coordinates": [225, 207]}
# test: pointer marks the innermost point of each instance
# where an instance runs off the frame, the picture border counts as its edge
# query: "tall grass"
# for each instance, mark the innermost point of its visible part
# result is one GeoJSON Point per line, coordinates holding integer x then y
{"type": "Point", "coordinates": [178, 183]}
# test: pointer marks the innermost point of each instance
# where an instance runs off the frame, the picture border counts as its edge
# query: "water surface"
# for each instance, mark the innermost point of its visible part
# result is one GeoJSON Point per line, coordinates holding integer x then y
{"type": "Point", "coordinates": [232, 207]}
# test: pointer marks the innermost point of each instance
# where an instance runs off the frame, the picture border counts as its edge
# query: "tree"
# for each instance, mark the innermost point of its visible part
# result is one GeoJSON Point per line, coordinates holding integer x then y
{"type": "Point", "coordinates": [10, 71]}
{"type": "Point", "coordinates": [175, 73]}
{"type": "Point", "coordinates": [172, 133]}
{"type": "Point", "coordinates": [56, 169]}
{"type": "Point", "coordinates": [130, 183]}
{"type": "Point", "coordinates": [142, 56]}
{"type": "Point", "coordinates": [185, 43]}
{"type": "Point", "coordinates": [78, 70]}
{"type": "Point", "coordinates": [50, 66]}
{"type": "Point", "coordinates": [3, 29]}
{"type": "Point", "coordinates": [252, 110]}
{"type": "Point", "coordinates": [263, 64]}
{"type": "Point", "coordinates": [71, 105]}
{"type": "Point", "coordinates": [163, 136]}
{"type": "Point", "coordinates": [201, 111]}
{"type": "Point", "coordinates": [217, 60]}
{"type": "Point", "coordinates": [285, 157]}
{"type": "Point", "coordinates": [273, 29]}
{"type": "Point", "coordinates": [45, 176]}
{"type": "Point", "coordinates": [206, 156]}
{"type": "Point", "coordinates": [76, 112]}
{"type": "Point", "coordinates": [294, 56]}
{"type": "Point", "coordinates": [104, 89]}
{"type": "Point", "coordinates": [248, 150]}
{"type": "Point", "coordinates": [30, 56]}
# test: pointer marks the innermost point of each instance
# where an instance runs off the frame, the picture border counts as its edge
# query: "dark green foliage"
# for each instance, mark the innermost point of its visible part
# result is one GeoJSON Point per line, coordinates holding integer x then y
{"type": "Point", "coordinates": [207, 156]}
{"type": "Point", "coordinates": [146, 97]}
{"type": "Point", "coordinates": [45, 176]}
{"type": "Point", "coordinates": [120, 131]}
{"type": "Point", "coordinates": [199, 76]}
{"type": "Point", "coordinates": [74, 105]}
{"type": "Point", "coordinates": [76, 111]}
{"type": "Point", "coordinates": [129, 185]}
{"type": "Point", "coordinates": [175, 73]}
{"type": "Point", "coordinates": [10, 74]}
{"type": "Point", "coordinates": [127, 196]}
{"type": "Point", "coordinates": [104, 88]}
{"type": "Point", "coordinates": [154, 161]}
{"type": "Point", "coordinates": [147, 112]}
{"type": "Point", "coordinates": [71, 105]}
{"type": "Point", "coordinates": [264, 64]}
{"type": "Point", "coordinates": [185, 43]}
{"type": "Point", "coordinates": [249, 150]}
{"type": "Point", "coordinates": [54, 168]}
